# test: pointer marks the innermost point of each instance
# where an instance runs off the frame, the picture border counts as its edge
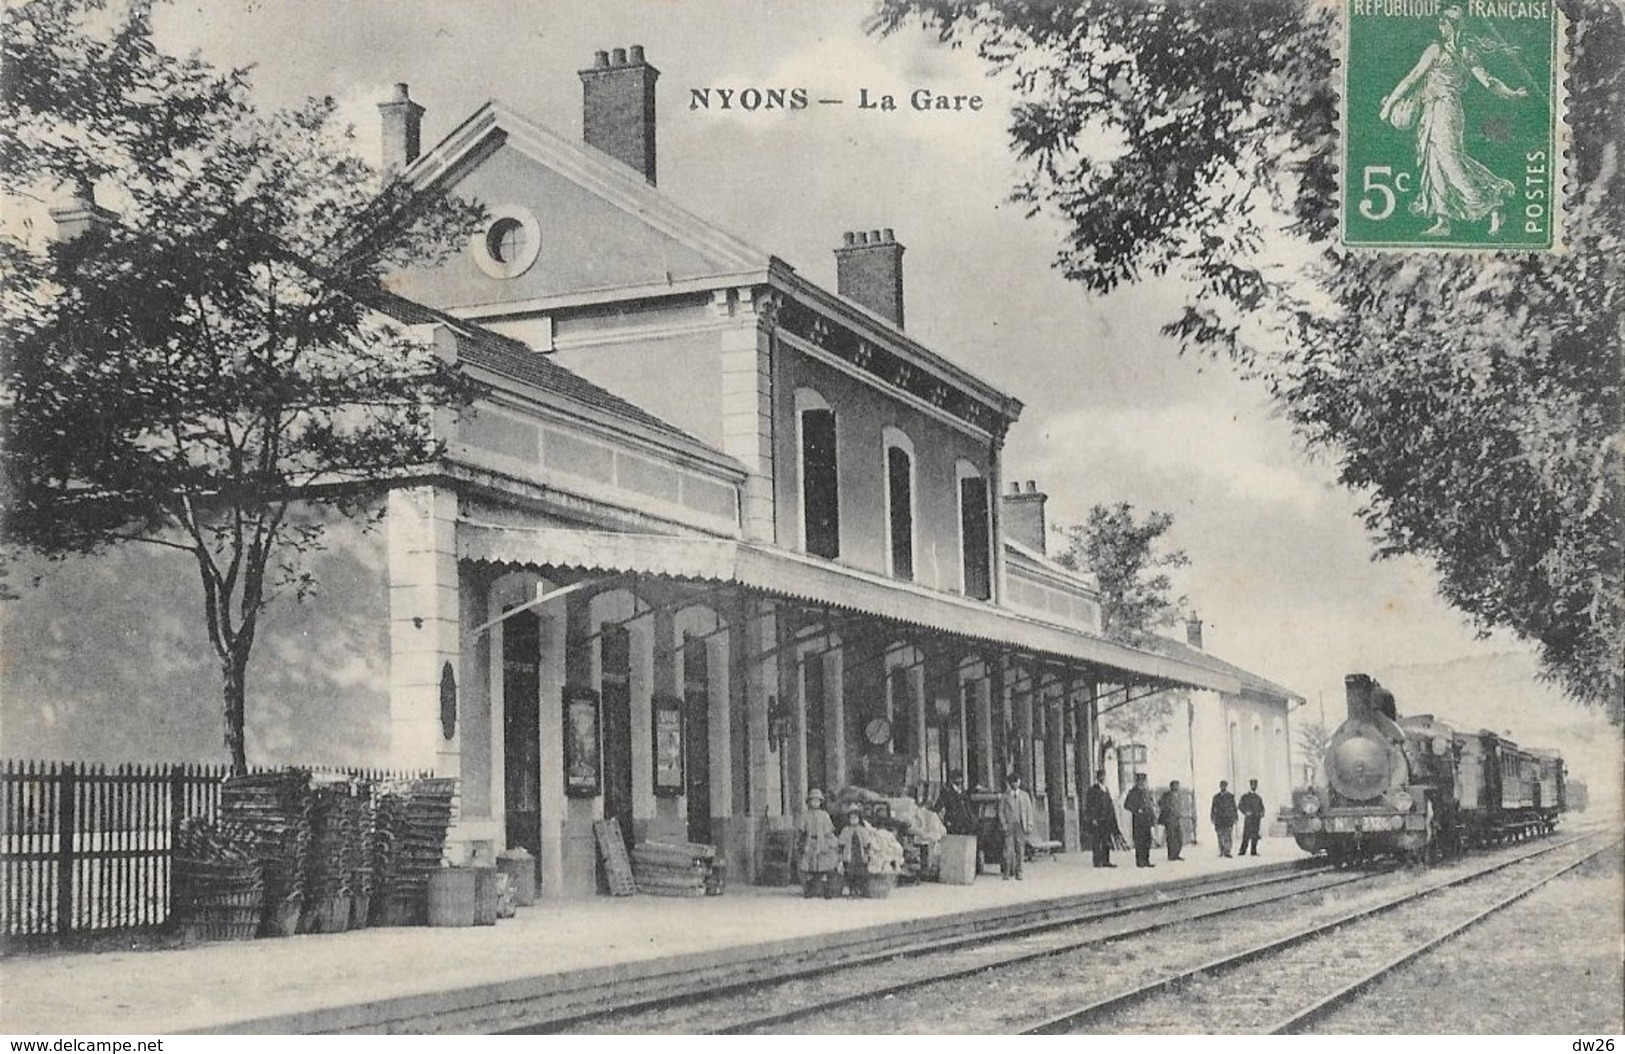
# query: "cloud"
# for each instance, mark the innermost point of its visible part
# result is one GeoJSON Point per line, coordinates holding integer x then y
{"type": "Point", "coordinates": [1237, 453]}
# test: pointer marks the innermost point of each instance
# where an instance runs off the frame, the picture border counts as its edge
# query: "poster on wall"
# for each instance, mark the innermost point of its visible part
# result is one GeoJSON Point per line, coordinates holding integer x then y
{"type": "Point", "coordinates": [668, 745]}
{"type": "Point", "coordinates": [582, 765]}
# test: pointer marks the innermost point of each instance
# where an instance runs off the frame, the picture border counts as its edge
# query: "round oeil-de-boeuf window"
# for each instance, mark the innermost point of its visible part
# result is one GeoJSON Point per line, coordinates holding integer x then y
{"type": "Point", "coordinates": [509, 244]}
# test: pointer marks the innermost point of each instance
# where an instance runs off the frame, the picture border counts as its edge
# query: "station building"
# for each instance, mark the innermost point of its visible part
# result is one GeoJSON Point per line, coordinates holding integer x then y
{"type": "Point", "coordinates": [714, 536]}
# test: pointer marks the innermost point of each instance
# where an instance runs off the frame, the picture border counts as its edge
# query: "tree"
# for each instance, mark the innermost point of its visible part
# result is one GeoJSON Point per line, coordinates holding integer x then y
{"type": "Point", "coordinates": [1313, 736]}
{"type": "Point", "coordinates": [1473, 400]}
{"type": "Point", "coordinates": [1124, 554]}
{"type": "Point", "coordinates": [205, 363]}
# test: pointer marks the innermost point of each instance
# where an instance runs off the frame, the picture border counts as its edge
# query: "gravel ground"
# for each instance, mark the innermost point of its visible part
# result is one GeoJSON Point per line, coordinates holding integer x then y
{"type": "Point", "coordinates": [1255, 997]}
{"type": "Point", "coordinates": [1550, 964]}
{"type": "Point", "coordinates": [709, 1014]}
{"type": "Point", "coordinates": [1009, 997]}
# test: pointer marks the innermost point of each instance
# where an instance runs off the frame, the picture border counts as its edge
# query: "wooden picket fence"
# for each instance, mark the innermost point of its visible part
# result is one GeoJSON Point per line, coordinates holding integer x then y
{"type": "Point", "coordinates": [86, 848]}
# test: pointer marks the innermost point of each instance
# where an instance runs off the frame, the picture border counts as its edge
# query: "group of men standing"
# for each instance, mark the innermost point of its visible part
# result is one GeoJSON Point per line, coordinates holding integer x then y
{"type": "Point", "coordinates": [1100, 817]}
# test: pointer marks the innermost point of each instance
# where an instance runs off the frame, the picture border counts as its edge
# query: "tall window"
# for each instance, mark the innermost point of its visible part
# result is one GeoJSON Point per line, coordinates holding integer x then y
{"type": "Point", "coordinates": [973, 537]}
{"type": "Point", "coordinates": [900, 510]}
{"type": "Point", "coordinates": [820, 480]}
{"type": "Point", "coordinates": [812, 689]}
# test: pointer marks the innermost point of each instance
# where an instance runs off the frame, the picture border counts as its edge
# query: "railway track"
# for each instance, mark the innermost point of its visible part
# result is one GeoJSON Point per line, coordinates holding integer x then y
{"type": "Point", "coordinates": [756, 1007]}
{"type": "Point", "coordinates": [1228, 996]}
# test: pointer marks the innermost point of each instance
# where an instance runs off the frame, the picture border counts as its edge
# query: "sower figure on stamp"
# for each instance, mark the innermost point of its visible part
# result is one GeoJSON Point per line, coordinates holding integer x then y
{"type": "Point", "coordinates": [1252, 811]}
{"type": "Point", "coordinates": [1016, 817]}
{"type": "Point", "coordinates": [1143, 813]}
{"type": "Point", "coordinates": [820, 849]}
{"type": "Point", "coordinates": [1168, 816]}
{"type": "Point", "coordinates": [1451, 185]}
{"type": "Point", "coordinates": [1223, 814]}
{"type": "Point", "coordinates": [1101, 815]}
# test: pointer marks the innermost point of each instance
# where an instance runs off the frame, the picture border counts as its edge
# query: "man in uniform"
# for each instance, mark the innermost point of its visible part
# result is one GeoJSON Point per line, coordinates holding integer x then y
{"type": "Point", "coordinates": [1144, 813]}
{"type": "Point", "coordinates": [1252, 812]}
{"type": "Point", "coordinates": [1016, 817]}
{"type": "Point", "coordinates": [1101, 815]}
{"type": "Point", "coordinates": [1223, 814]}
{"type": "Point", "coordinates": [1173, 825]}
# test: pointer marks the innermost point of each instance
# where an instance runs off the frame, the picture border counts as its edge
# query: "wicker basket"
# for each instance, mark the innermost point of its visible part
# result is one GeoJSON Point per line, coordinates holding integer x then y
{"type": "Point", "coordinates": [876, 885]}
{"type": "Point", "coordinates": [227, 917]}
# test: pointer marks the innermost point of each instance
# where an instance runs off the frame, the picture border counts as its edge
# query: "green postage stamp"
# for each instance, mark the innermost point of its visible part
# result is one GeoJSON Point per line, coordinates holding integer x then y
{"type": "Point", "coordinates": [1450, 124]}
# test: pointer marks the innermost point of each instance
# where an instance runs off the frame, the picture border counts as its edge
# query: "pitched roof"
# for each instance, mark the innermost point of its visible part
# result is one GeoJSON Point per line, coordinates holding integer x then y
{"type": "Point", "coordinates": [497, 122]}
{"type": "Point", "coordinates": [517, 361]}
{"type": "Point", "coordinates": [737, 261]}
{"type": "Point", "coordinates": [1196, 656]}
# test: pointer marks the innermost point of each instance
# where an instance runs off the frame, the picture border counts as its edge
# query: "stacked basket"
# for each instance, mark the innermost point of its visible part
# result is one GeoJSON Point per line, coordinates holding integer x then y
{"type": "Point", "coordinates": [413, 839]}
{"type": "Point", "coordinates": [271, 811]}
{"type": "Point", "coordinates": [672, 869]}
{"type": "Point", "coordinates": [335, 844]}
{"type": "Point", "coordinates": [218, 894]}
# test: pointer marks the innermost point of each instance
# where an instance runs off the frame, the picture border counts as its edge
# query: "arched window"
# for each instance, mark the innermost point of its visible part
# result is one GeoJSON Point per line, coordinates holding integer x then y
{"type": "Point", "coordinates": [899, 503]}
{"type": "Point", "coordinates": [975, 531]}
{"type": "Point", "coordinates": [820, 476]}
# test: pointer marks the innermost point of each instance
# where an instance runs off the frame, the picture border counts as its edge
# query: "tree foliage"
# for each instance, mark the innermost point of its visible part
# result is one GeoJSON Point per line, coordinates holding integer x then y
{"type": "Point", "coordinates": [204, 362]}
{"type": "Point", "coordinates": [1313, 738]}
{"type": "Point", "coordinates": [1131, 566]}
{"type": "Point", "coordinates": [1472, 400]}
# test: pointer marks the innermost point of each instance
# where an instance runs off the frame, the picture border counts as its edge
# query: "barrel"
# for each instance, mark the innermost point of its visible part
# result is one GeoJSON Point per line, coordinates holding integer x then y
{"type": "Point", "coordinates": [520, 866]}
{"type": "Point", "coordinates": [485, 896]}
{"type": "Point", "coordinates": [958, 867]}
{"type": "Point", "coordinates": [451, 896]}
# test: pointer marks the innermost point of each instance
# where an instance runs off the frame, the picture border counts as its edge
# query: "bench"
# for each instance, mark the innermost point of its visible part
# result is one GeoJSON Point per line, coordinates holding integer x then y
{"type": "Point", "coordinates": [1045, 846]}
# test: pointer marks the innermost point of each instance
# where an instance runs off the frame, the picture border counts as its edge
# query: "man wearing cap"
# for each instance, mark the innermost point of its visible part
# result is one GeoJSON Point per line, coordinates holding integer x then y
{"type": "Point", "coordinates": [1143, 812]}
{"type": "Point", "coordinates": [820, 850]}
{"type": "Point", "coordinates": [1252, 819]}
{"type": "Point", "coordinates": [1223, 814]}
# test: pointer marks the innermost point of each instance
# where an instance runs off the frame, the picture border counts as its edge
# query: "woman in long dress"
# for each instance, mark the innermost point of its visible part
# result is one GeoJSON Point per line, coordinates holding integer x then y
{"type": "Point", "coordinates": [1450, 184]}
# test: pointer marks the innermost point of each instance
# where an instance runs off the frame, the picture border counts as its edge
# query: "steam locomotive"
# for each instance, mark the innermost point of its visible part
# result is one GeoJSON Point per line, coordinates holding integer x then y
{"type": "Point", "coordinates": [1416, 787]}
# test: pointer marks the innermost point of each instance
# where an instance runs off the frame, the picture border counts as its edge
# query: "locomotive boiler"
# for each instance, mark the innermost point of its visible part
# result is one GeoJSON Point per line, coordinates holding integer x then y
{"type": "Point", "coordinates": [1417, 787]}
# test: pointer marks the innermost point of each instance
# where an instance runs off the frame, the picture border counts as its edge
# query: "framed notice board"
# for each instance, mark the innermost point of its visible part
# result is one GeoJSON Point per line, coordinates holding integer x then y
{"type": "Point", "coordinates": [667, 719]}
{"type": "Point", "coordinates": [582, 756]}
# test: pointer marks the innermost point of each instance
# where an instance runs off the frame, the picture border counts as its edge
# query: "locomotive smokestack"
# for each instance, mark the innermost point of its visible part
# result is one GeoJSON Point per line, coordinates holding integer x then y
{"type": "Point", "coordinates": [1366, 697]}
{"type": "Point", "coordinates": [1358, 688]}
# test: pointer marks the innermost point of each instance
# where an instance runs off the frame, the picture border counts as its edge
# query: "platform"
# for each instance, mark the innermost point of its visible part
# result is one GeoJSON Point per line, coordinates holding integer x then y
{"type": "Point", "coordinates": [421, 979]}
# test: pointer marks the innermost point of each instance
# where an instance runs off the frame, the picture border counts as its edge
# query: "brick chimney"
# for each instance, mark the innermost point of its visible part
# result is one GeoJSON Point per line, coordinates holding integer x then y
{"type": "Point", "coordinates": [1193, 630]}
{"type": "Point", "coordinates": [869, 269]}
{"type": "Point", "coordinates": [618, 108]}
{"type": "Point", "coordinates": [403, 130]}
{"type": "Point", "coordinates": [1022, 516]}
{"type": "Point", "coordinates": [79, 213]}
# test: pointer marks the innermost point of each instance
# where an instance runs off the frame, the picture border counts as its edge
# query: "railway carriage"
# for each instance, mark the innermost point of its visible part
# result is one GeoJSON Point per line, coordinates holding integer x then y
{"type": "Point", "coordinates": [1418, 787]}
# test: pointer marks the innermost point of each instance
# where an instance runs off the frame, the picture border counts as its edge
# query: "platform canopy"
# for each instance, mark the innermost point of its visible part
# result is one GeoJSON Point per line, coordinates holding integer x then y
{"type": "Point", "coordinates": [807, 582]}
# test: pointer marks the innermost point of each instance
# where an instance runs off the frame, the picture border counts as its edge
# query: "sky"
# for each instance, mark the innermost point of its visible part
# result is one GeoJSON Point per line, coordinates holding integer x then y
{"type": "Point", "coordinates": [1281, 569]}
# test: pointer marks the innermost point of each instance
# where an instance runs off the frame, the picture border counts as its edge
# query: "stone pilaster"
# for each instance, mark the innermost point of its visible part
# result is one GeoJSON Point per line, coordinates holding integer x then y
{"type": "Point", "coordinates": [424, 628]}
{"type": "Point", "coordinates": [747, 407]}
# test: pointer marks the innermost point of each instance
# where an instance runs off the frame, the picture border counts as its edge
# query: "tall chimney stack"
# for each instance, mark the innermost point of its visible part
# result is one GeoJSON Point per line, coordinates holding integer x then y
{"type": "Point", "coordinates": [1193, 631]}
{"type": "Point", "coordinates": [79, 213]}
{"type": "Point", "coordinates": [1022, 516]}
{"type": "Point", "coordinates": [618, 108]}
{"type": "Point", "coordinates": [869, 269]}
{"type": "Point", "coordinates": [403, 130]}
